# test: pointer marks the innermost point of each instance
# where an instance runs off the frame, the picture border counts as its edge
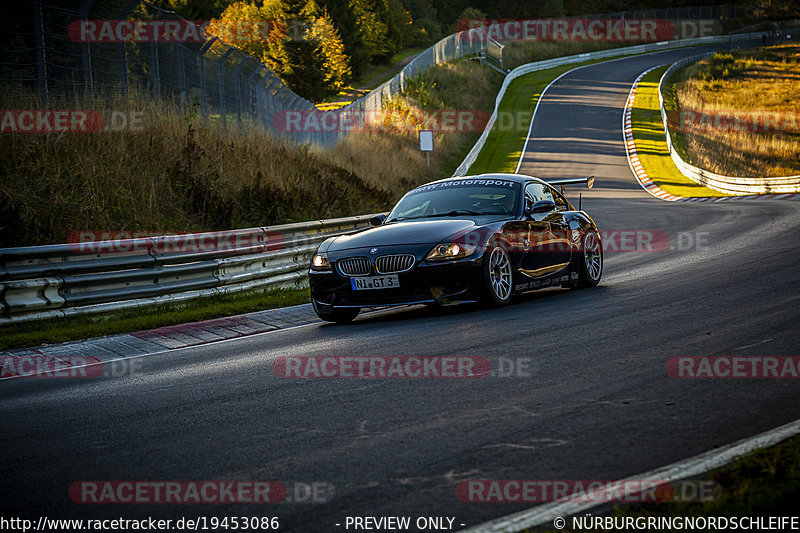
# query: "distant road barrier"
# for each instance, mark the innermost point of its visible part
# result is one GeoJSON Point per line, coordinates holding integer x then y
{"type": "Point", "coordinates": [718, 182]}
{"type": "Point", "coordinates": [463, 169]}
{"type": "Point", "coordinates": [61, 280]}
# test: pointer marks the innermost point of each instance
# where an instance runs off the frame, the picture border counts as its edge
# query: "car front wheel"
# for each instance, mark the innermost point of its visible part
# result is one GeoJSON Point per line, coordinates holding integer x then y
{"type": "Point", "coordinates": [591, 262]}
{"type": "Point", "coordinates": [497, 276]}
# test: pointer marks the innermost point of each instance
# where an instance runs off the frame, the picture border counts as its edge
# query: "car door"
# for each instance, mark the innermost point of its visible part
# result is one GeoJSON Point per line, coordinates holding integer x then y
{"type": "Point", "coordinates": [560, 230]}
{"type": "Point", "coordinates": [538, 259]}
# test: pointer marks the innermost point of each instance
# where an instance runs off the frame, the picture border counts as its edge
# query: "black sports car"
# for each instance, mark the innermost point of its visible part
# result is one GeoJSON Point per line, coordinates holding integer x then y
{"type": "Point", "coordinates": [458, 240]}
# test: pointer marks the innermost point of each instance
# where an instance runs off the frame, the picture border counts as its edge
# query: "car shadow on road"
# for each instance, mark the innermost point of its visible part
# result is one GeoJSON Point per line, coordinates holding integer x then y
{"type": "Point", "coordinates": [526, 302]}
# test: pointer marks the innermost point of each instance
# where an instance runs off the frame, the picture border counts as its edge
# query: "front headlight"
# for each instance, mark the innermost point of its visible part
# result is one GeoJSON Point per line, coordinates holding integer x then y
{"type": "Point", "coordinates": [450, 250]}
{"type": "Point", "coordinates": [320, 262]}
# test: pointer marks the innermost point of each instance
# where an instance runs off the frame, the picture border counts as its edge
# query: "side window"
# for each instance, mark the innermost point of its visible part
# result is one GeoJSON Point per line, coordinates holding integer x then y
{"type": "Point", "coordinates": [535, 192]}
{"type": "Point", "coordinates": [561, 202]}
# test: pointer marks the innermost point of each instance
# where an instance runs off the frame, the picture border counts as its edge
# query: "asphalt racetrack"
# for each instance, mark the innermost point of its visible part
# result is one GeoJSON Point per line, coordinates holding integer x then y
{"type": "Point", "coordinates": [596, 401]}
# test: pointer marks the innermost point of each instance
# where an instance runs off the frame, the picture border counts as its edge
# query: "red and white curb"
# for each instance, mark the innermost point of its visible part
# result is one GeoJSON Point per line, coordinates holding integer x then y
{"type": "Point", "coordinates": [645, 181]}
{"type": "Point", "coordinates": [126, 346]}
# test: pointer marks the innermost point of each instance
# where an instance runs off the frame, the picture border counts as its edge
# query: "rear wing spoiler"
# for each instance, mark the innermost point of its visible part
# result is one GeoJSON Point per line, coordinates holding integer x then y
{"type": "Point", "coordinates": [588, 180]}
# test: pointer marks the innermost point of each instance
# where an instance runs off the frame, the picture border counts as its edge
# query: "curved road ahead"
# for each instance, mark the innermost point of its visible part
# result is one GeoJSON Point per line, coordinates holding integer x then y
{"type": "Point", "coordinates": [598, 405]}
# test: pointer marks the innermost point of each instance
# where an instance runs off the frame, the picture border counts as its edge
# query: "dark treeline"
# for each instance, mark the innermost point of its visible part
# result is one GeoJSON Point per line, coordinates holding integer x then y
{"type": "Point", "coordinates": [319, 46]}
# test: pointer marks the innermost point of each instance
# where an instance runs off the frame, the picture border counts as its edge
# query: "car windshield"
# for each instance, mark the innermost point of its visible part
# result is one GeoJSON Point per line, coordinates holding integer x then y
{"type": "Point", "coordinates": [457, 198]}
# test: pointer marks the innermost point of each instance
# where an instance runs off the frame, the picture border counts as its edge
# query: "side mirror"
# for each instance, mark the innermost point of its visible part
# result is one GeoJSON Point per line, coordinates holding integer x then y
{"type": "Point", "coordinates": [542, 206]}
{"type": "Point", "coordinates": [377, 220]}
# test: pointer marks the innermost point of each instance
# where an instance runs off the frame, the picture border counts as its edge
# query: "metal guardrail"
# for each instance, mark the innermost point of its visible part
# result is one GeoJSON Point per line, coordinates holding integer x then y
{"type": "Point", "coordinates": [468, 161]}
{"type": "Point", "coordinates": [61, 280]}
{"type": "Point", "coordinates": [718, 182]}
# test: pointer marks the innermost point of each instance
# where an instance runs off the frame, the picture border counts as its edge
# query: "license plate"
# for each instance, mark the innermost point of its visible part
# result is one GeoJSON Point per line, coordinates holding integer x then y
{"type": "Point", "coordinates": [374, 282]}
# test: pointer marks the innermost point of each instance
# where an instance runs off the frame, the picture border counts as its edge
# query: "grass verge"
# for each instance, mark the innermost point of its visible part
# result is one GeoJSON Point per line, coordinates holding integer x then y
{"type": "Point", "coordinates": [763, 483]}
{"type": "Point", "coordinates": [506, 141]}
{"type": "Point", "coordinates": [651, 145]}
{"type": "Point", "coordinates": [66, 329]}
{"type": "Point", "coordinates": [518, 53]}
{"type": "Point", "coordinates": [736, 113]}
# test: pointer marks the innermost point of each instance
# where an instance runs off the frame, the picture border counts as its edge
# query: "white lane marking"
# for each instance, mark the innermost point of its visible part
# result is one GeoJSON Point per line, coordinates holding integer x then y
{"type": "Point", "coordinates": [533, 116]}
{"type": "Point", "coordinates": [545, 514]}
{"type": "Point", "coordinates": [536, 107]}
{"type": "Point", "coordinates": [754, 344]}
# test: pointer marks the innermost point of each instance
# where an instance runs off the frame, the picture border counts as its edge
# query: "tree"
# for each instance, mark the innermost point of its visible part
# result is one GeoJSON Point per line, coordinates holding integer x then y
{"type": "Point", "coordinates": [468, 15]}
{"type": "Point", "coordinates": [195, 9]}
{"type": "Point", "coordinates": [399, 25]}
{"type": "Point", "coordinates": [372, 31]}
{"type": "Point", "coordinates": [253, 30]}
{"type": "Point", "coordinates": [329, 48]}
{"type": "Point", "coordinates": [427, 31]}
{"type": "Point", "coordinates": [294, 38]}
{"type": "Point", "coordinates": [552, 9]}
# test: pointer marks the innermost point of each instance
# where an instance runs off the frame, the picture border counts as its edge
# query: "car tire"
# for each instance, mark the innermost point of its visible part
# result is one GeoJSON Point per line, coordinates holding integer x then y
{"type": "Point", "coordinates": [591, 260]}
{"type": "Point", "coordinates": [340, 316]}
{"type": "Point", "coordinates": [498, 276]}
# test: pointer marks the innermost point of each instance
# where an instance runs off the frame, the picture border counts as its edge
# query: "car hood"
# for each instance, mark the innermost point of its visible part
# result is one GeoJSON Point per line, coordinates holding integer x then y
{"type": "Point", "coordinates": [428, 231]}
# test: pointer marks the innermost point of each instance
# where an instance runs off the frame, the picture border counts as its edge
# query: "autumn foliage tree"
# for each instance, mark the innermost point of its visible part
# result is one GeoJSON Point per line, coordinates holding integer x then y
{"type": "Point", "coordinates": [296, 39]}
{"type": "Point", "coordinates": [316, 46]}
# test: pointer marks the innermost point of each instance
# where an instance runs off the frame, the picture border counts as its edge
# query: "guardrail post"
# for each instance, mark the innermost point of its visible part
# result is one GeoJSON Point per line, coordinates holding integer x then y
{"type": "Point", "coordinates": [254, 94]}
{"type": "Point", "coordinates": [123, 57]}
{"type": "Point", "coordinates": [221, 82]}
{"type": "Point", "coordinates": [201, 69]}
{"type": "Point", "coordinates": [123, 69]}
{"type": "Point", "coordinates": [155, 86]}
{"type": "Point", "coordinates": [181, 73]}
{"type": "Point", "coordinates": [86, 53]}
{"type": "Point", "coordinates": [237, 83]}
{"type": "Point", "coordinates": [41, 64]}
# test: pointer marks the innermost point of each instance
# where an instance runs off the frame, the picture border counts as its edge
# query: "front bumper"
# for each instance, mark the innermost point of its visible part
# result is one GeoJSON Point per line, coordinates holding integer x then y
{"type": "Point", "coordinates": [444, 283]}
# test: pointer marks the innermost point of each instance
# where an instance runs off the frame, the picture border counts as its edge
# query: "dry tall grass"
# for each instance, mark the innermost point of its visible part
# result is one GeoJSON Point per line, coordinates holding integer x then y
{"type": "Point", "coordinates": [181, 174]}
{"type": "Point", "coordinates": [749, 83]}
{"type": "Point", "coordinates": [520, 52]}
